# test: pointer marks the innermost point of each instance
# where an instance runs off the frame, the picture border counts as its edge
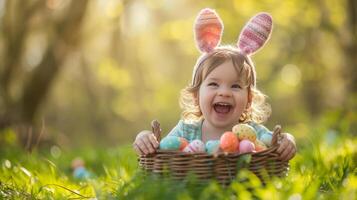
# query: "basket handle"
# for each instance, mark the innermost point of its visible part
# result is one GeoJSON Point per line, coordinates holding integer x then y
{"type": "Point", "coordinates": [155, 126]}
{"type": "Point", "coordinates": [277, 137]}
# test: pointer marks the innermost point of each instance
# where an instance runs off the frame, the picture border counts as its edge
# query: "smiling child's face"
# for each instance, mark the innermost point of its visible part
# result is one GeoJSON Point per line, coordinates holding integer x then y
{"type": "Point", "coordinates": [223, 96]}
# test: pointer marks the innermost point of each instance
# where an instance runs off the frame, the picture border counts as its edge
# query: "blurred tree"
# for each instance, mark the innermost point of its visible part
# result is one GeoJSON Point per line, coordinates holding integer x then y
{"type": "Point", "coordinates": [345, 35]}
{"type": "Point", "coordinates": [347, 38]}
{"type": "Point", "coordinates": [21, 108]}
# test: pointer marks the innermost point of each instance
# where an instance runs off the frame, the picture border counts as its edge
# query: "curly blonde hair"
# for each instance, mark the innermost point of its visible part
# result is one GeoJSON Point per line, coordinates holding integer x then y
{"type": "Point", "coordinates": [259, 110]}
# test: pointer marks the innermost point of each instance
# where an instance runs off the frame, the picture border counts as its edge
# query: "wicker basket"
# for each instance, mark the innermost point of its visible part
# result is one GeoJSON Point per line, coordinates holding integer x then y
{"type": "Point", "coordinates": [221, 166]}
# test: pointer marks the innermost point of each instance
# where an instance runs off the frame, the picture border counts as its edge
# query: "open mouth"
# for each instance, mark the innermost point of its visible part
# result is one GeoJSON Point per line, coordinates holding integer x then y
{"type": "Point", "coordinates": [222, 108]}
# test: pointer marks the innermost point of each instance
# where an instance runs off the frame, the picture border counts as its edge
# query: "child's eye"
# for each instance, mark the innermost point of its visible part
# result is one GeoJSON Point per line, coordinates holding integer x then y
{"type": "Point", "coordinates": [236, 86]}
{"type": "Point", "coordinates": [213, 84]}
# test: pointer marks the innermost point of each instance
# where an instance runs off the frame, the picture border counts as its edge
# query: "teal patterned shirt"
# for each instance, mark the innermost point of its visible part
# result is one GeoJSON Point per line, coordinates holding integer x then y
{"type": "Point", "coordinates": [192, 131]}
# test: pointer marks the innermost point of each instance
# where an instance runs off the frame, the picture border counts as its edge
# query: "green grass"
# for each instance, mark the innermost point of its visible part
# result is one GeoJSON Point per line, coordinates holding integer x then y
{"type": "Point", "coordinates": [324, 168]}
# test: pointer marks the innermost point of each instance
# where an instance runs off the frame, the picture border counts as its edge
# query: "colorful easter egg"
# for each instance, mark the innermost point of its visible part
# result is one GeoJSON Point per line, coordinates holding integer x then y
{"type": "Point", "coordinates": [229, 142]}
{"type": "Point", "coordinates": [266, 139]}
{"type": "Point", "coordinates": [184, 143]}
{"type": "Point", "coordinates": [170, 143]}
{"type": "Point", "coordinates": [259, 145]}
{"type": "Point", "coordinates": [81, 173]}
{"type": "Point", "coordinates": [212, 146]}
{"type": "Point", "coordinates": [246, 146]}
{"type": "Point", "coordinates": [196, 146]}
{"type": "Point", "coordinates": [245, 131]}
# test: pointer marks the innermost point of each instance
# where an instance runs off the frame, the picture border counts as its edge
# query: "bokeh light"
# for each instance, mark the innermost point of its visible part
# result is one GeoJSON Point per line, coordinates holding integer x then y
{"type": "Point", "coordinates": [291, 75]}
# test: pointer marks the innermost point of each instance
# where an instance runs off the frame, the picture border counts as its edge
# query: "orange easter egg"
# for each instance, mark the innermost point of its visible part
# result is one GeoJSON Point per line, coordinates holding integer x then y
{"type": "Point", "coordinates": [183, 143]}
{"type": "Point", "coordinates": [229, 142]}
{"type": "Point", "coordinates": [259, 148]}
{"type": "Point", "coordinates": [259, 145]}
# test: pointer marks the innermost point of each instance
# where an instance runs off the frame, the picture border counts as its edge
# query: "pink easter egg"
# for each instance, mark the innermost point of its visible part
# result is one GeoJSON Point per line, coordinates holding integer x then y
{"type": "Point", "coordinates": [195, 146]}
{"type": "Point", "coordinates": [246, 146]}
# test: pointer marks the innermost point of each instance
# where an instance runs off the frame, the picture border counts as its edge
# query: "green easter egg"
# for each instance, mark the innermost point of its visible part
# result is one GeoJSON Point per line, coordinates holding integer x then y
{"type": "Point", "coordinates": [170, 143]}
{"type": "Point", "coordinates": [212, 146]}
{"type": "Point", "coordinates": [266, 139]}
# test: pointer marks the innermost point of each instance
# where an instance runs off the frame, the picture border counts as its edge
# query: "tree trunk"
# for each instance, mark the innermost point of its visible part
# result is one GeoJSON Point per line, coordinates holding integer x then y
{"type": "Point", "coordinates": [351, 46]}
{"type": "Point", "coordinates": [21, 111]}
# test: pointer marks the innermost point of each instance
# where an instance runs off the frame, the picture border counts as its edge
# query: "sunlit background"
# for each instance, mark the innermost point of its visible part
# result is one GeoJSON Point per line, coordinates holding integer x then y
{"type": "Point", "coordinates": [97, 72]}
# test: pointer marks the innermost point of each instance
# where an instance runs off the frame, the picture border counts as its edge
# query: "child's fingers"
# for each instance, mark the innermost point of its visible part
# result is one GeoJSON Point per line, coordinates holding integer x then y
{"type": "Point", "coordinates": [154, 141]}
{"type": "Point", "coordinates": [149, 146]}
{"type": "Point", "coordinates": [137, 149]}
{"type": "Point", "coordinates": [287, 153]}
{"type": "Point", "coordinates": [142, 146]}
{"type": "Point", "coordinates": [291, 154]}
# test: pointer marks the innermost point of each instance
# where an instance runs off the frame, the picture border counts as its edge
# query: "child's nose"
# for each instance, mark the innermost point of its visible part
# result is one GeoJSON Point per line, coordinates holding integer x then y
{"type": "Point", "coordinates": [225, 92]}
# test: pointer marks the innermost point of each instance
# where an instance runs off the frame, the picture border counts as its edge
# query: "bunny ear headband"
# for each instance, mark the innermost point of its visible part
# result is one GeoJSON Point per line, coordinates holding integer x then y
{"type": "Point", "coordinates": [208, 31]}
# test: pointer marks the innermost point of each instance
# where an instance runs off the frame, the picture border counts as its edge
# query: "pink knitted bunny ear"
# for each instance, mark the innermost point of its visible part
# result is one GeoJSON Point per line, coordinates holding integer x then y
{"type": "Point", "coordinates": [255, 33]}
{"type": "Point", "coordinates": [208, 30]}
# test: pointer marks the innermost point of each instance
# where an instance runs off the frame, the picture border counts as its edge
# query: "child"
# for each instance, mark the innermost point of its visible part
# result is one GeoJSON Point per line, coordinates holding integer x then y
{"type": "Point", "coordinates": [223, 91]}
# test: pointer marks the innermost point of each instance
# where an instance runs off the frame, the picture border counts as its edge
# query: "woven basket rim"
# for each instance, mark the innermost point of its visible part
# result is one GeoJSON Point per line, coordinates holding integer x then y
{"type": "Point", "coordinates": [205, 154]}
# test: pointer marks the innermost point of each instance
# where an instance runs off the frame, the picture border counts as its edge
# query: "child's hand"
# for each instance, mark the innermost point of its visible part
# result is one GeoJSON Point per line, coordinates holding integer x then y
{"type": "Point", "coordinates": [287, 148]}
{"type": "Point", "coordinates": [145, 143]}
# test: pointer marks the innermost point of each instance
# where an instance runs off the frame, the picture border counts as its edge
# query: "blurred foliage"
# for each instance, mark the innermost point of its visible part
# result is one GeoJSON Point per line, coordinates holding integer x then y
{"type": "Point", "coordinates": [117, 65]}
{"type": "Point", "coordinates": [313, 174]}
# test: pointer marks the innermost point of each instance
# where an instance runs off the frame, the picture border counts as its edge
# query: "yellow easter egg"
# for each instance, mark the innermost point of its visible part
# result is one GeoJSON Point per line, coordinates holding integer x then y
{"type": "Point", "coordinates": [245, 132]}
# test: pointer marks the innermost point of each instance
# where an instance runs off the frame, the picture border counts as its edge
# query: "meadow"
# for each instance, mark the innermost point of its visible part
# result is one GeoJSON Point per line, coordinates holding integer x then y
{"type": "Point", "coordinates": [324, 168]}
